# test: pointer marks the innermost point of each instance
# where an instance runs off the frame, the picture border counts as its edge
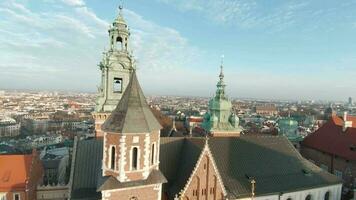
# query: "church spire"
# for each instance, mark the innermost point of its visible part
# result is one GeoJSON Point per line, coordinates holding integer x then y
{"type": "Point", "coordinates": [220, 92]}
{"type": "Point", "coordinates": [221, 76]}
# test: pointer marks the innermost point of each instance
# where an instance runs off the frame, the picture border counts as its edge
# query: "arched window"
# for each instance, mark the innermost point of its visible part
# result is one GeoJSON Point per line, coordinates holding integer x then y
{"type": "Point", "coordinates": [153, 154]}
{"type": "Point", "coordinates": [119, 43]}
{"type": "Point", "coordinates": [327, 196]}
{"type": "Point", "coordinates": [134, 158]}
{"type": "Point", "coordinates": [309, 197]}
{"type": "Point", "coordinates": [112, 160]}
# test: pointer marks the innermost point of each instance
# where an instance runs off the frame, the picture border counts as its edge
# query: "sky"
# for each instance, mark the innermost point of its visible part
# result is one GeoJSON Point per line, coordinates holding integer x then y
{"type": "Point", "coordinates": [275, 49]}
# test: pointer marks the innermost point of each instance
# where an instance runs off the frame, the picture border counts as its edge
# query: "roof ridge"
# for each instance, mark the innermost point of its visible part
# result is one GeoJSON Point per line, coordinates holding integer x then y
{"type": "Point", "coordinates": [140, 100]}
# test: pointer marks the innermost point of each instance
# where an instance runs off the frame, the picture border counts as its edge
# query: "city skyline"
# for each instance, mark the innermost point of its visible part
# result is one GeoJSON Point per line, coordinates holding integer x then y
{"type": "Point", "coordinates": [301, 50]}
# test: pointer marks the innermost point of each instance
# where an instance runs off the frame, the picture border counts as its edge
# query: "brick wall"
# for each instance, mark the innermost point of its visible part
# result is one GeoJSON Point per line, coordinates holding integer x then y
{"type": "Point", "coordinates": [150, 192]}
{"type": "Point", "coordinates": [204, 183]}
{"type": "Point", "coordinates": [137, 140]}
{"type": "Point", "coordinates": [347, 167]}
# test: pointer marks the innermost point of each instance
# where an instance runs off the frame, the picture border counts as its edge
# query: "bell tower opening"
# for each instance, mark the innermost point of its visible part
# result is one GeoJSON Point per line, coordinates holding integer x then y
{"type": "Point", "coordinates": [119, 43]}
{"type": "Point", "coordinates": [117, 85]}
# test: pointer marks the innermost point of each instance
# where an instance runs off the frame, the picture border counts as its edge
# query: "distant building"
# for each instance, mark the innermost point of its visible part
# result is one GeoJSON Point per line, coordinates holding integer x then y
{"type": "Point", "coordinates": [116, 68]}
{"type": "Point", "coordinates": [193, 121]}
{"type": "Point", "coordinates": [19, 176]}
{"type": "Point", "coordinates": [268, 110]}
{"type": "Point", "coordinates": [329, 112]}
{"type": "Point", "coordinates": [333, 148]}
{"type": "Point", "coordinates": [9, 127]}
{"type": "Point", "coordinates": [289, 127]}
{"type": "Point", "coordinates": [220, 120]}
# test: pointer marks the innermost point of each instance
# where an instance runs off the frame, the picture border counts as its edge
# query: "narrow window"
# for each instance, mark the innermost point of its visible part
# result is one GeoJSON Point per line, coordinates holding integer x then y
{"type": "Point", "coordinates": [153, 154]}
{"type": "Point", "coordinates": [327, 196]}
{"type": "Point", "coordinates": [119, 43]}
{"type": "Point", "coordinates": [308, 197]}
{"type": "Point", "coordinates": [134, 158]}
{"type": "Point", "coordinates": [112, 161]}
{"type": "Point", "coordinates": [117, 85]}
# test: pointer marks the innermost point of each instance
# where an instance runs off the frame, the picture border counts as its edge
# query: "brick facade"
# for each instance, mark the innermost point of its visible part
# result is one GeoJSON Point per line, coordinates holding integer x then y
{"type": "Point", "coordinates": [140, 192]}
{"type": "Point", "coordinates": [99, 119]}
{"type": "Point", "coordinates": [333, 163]}
{"type": "Point", "coordinates": [123, 145]}
{"type": "Point", "coordinates": [204, 183]}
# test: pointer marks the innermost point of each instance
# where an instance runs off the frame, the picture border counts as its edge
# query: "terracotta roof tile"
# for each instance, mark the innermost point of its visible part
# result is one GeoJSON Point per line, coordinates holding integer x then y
{"type": "Point", "coordinates": [14, 171]}
{"type": "Point", "coordinates": [330, 138]}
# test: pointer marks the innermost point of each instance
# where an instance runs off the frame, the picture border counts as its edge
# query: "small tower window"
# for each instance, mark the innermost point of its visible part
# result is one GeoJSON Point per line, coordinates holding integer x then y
{"type": "Point", "coordinates": [153, 154]}
{"type": "Point", "coordinates": [112, 160]}
{"type": "Point", "coordinates": [327, 196]}
{"type": "Point", "coordinates": [119, 43]}
{"type": "Point", "coordinates": [117, 85]}
{"type": "Point", "coordinates": [134, 158]}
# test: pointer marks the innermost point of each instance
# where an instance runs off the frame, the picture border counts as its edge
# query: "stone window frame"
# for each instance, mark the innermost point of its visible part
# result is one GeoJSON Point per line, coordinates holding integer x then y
{"type": "Point", "coordinates": [309, 197]}
{"type": "Point", "coordinates": [138, 157]}
{"type": "Point", "coordinates": [153, 153]}
{"type": "Point", "coordinates": [327, 193]}
{"type": "Point", "coordinates": [14, 196]}
{"type": "Point", "coordinates": [3, 197]}
{"type": "Point", "coordinates": [109, 160]}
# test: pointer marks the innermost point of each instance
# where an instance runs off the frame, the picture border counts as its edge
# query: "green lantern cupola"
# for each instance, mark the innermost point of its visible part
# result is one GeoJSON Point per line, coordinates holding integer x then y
{"type": "Point", "coordinates": [220, 119]}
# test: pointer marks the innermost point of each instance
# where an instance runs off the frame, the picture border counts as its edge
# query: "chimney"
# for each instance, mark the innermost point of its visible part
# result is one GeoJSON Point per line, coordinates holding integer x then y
{"type": "Point", "coordinates": [347, 124]}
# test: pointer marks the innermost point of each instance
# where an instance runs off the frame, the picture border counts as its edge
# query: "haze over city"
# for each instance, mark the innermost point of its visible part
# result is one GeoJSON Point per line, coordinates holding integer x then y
{"type": "Point", "coordinates": [286, 50]}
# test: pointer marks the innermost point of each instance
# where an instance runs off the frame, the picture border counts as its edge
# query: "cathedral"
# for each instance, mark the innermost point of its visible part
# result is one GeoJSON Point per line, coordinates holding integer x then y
{"type": "Point", "coordinates": [129, 160]}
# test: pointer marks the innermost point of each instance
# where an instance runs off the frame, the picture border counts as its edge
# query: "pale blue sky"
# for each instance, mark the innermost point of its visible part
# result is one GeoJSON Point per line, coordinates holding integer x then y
{"type": "Point", "coordinates": [273, 49]}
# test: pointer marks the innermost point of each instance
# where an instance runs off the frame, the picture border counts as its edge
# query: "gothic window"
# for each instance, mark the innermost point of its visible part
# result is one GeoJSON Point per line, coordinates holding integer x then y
{"type": "Point", "coordinates": [112, 159]}
{"type": "Point", "coordinates": [327, 196]}
{"type": "Point", "coordinates": [153, 154]}
{"type": "Point", "coordinates": [134, 158]}
{"type": "Point", "coordinates": [118, 85]}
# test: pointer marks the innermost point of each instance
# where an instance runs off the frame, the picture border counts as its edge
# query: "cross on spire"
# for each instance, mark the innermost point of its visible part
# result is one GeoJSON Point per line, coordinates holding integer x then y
{"type": "Point", "coordinates": [221, 76]}
{"type": "Point", "coordinates": [121, 6]}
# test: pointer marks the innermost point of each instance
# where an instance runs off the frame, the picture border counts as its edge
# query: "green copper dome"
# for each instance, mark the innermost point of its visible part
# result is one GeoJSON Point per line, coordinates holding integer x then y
{"type": "Point", "coordinates": [220, 117]}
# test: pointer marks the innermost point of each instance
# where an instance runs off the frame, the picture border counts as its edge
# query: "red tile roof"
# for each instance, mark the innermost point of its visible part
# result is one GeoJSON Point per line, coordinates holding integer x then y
{"type": "Point", "coordinates": [14, 171]}
{"type": "Point", "coordinates": [330, 138]}
{"type": "Point", "coordinates": [195, 119]}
